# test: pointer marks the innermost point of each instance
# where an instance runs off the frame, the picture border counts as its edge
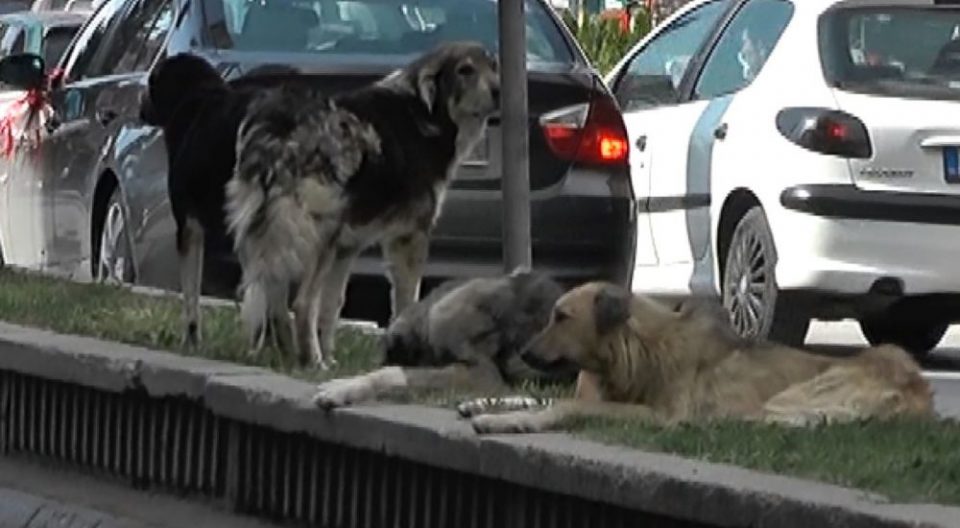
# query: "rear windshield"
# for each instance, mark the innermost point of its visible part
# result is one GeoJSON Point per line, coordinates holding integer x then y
{"type": "Point", "coordinates": [354, 29]}
{"type": "Point", "coordinates": [901, 52]}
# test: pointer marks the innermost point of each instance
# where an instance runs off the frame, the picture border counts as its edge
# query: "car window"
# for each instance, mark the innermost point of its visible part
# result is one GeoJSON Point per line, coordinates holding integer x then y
{"type": "Point", "coordinates": [132, 34]}
{"type": "Point", "coordinates": [744, 47]}
{"type": "Point", "coordinates": [4, 29]}
{"type": "Point", "coordinates": [148, 33]}
{"type": "Point", "coordinates": [55, 42]}
{"type": "Point", "coordinates": [155, 37]}
{"type": "Point", "coordinates": [80, 64]}
{"type": "Point", "coordinates": [355, 30]}
{"type": "Point", "coordinates": [652, 77]}
{"type": "Point", "coordinates": [12, 6]}
{"type": "Point", "coordinates": [14, 40]}
{"type": "Point", "coordinates": [900, 51]}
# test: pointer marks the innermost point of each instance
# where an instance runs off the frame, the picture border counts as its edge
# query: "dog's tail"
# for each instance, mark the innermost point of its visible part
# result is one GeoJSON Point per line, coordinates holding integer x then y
{"type": "Point", "coordinates": [881, 382]}
{"type": "Point", "coordinates": [274, 235]}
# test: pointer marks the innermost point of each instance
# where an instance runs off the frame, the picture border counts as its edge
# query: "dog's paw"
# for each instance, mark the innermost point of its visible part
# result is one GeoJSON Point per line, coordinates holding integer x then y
{"type": "Point", "coordinates": [191, 337]}
{"type": "Point", "coordinates": [513, 423]}
{"type": "Point", "coordinates": [342, 392]}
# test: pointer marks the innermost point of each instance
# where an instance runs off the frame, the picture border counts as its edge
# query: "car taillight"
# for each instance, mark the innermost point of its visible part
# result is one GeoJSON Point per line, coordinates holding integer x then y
{"type": "Point", "coordinates": [825, 131]}
{"type": "Point", "coordinates": [587, 133]}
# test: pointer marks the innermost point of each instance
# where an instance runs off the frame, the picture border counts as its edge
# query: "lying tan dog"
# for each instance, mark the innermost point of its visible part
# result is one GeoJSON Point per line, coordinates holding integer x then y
{"type": "Point", "coordinates": [641, 359]}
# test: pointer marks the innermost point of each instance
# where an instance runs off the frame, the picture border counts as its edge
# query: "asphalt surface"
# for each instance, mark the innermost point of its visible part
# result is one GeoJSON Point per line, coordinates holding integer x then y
{"type": "Point", "coordinates": [38, 495]}
{"type": "Point", "coordinates": [941, 367]}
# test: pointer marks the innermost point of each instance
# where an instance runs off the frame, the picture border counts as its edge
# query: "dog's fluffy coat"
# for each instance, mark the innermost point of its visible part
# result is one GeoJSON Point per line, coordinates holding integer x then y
{"type": "Point", "coordinates": [317, 181]}
{"type": "Point", "coordinates": [638, 358]}
{"type": "Point", "coordinates": [466, 334]}
{"type": "Point", "coordinates": [199, 114]}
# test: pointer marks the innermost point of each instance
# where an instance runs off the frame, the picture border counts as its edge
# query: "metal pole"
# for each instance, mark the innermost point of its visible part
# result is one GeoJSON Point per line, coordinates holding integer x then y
{"type": "Point", "coordinates": [513, 134]}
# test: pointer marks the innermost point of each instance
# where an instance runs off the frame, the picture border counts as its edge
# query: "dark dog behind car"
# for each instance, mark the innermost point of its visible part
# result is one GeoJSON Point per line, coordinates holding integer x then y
{"type": "Point", "coordinates": [199, 114]}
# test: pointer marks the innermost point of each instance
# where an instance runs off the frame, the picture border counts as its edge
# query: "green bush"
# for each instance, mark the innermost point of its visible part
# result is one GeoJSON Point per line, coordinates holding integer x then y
{"type": "Point", "coordinates": [603, 41]}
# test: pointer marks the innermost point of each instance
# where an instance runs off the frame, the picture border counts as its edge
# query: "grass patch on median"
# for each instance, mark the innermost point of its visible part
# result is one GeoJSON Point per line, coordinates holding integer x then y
{"type": "Point", "coordinates": [909, 460]}
{"type": "Point", "coordinates": [117, 314]}
{"type": "Point", "coordinates": [906, 460]}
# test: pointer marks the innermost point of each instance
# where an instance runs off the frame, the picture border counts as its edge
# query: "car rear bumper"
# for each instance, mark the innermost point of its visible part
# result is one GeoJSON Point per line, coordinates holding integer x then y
{"type": "Point", "coordinates": [853, 241]}
{"type": "Point", "coordinates": [850, 202]}
{"type": "Point", "coordinates": [577, 235]}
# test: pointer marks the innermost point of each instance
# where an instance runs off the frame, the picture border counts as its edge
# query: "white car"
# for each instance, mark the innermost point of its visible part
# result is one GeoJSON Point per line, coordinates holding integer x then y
{"type": "Point", "coordinates": [799, 160]}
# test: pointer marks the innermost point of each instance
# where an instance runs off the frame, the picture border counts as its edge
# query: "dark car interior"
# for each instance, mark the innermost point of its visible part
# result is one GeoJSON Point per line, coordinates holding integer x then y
{"type": "Point", "coordinates": [364, 26]}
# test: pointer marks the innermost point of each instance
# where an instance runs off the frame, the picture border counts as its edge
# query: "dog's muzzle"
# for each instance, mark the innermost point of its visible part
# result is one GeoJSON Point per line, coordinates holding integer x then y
{"type": "Point", "coordinates": [560, 366]}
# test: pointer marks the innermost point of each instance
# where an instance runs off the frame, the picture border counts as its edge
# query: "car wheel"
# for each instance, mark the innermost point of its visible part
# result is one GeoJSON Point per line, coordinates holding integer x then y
{"type": "Point", "coordinates": [750, 293]}
{"type": "Point", "coordinates": [114, 262]}
{"type": "Point", "coordinates": [916, 337]}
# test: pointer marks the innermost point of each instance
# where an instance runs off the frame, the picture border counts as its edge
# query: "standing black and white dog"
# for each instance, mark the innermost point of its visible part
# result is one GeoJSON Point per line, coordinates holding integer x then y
{"type": "Point", "coordinates": [199, 114]}
{"type": "Point", "coordinates": [317, 181]}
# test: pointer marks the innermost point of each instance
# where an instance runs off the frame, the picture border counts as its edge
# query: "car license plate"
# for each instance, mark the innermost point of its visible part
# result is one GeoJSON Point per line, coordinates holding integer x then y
{"type": "Point", "coordinates": [481, 152]}
{"type": "Point", "coordinates": [951, 165]}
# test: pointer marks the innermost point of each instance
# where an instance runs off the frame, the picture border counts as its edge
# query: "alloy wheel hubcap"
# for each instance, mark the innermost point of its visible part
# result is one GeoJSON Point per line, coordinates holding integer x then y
{"type": "Point", "coordinates": [748, 292]}
{"type": "Point", "coordinates": [113, 262]}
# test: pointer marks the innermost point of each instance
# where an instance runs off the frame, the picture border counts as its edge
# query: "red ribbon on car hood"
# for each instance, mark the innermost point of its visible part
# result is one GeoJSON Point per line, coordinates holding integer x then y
{"type": "Point", "coordinates": [31, 112]}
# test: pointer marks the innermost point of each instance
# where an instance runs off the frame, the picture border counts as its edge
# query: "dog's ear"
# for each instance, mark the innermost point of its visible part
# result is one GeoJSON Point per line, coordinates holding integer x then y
{"type": "Point", "coordinates": [427, 85]}
{"type": "Point", "coordinates": [611, 308]}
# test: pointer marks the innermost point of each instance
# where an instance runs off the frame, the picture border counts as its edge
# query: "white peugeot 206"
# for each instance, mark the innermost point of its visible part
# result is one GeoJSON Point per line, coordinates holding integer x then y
{"type": "Point", "coordinates": [799, 160]}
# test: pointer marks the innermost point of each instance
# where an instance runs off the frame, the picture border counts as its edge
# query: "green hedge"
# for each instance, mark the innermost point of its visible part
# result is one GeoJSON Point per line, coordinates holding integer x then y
{"type": "Point", "coordinates": [603, 41]}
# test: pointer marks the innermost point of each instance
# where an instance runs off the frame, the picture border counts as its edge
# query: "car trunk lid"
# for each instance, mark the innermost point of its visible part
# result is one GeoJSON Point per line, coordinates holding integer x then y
{"type": "Point", "coordinates": [915, 144]}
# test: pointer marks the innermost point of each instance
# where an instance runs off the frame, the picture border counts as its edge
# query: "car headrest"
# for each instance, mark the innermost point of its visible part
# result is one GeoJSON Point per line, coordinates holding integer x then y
{"type": "Point", "coordinates": [278, 27]}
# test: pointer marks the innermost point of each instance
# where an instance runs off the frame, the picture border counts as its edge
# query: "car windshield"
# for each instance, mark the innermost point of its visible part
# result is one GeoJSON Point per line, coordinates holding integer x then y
{"type": "Point", "coordinates": [901, 52]}
{"type": "Point", "coordinates": [355, 29]}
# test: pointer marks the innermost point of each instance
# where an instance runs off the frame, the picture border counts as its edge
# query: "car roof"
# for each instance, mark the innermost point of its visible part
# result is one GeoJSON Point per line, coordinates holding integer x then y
{"type": "Point", "coordinates": [819, 6]}
{"type": "Point", "coordinates": [45, 18]}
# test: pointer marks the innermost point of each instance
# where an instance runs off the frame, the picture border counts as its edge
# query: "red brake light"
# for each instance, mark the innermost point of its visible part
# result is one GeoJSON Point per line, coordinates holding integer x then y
{"type": "Point", "coordinates": [612, 147]}
{"type": "Point", "coordinates": [837, 131]}
{"type": "Point", "coordinates": [587, 133]}
{"type": "Point", "coordinates": [826, 131]}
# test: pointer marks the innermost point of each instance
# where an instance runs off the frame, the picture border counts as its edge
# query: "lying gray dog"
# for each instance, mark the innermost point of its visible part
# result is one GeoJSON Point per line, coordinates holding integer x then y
{"type": "Point", "coordinates": [464, 334]}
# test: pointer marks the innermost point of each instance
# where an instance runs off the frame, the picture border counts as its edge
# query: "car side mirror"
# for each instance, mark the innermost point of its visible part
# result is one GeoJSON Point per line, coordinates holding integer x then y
{"type": "Point", "coordinates": [23, 71]}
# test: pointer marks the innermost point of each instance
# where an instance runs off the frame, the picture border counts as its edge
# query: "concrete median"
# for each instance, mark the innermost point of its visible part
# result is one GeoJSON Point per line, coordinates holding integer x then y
{"type": "Point", "coordinates": [647, 483]}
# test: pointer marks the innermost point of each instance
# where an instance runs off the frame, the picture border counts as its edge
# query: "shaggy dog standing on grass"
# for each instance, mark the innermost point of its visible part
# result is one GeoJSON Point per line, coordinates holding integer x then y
{"type": "Point", "coordinates": [319, 181]}
{"type": "Point", "coordinates": [303, 183]}
{"type": "Point", "coordinates": [199, 113]}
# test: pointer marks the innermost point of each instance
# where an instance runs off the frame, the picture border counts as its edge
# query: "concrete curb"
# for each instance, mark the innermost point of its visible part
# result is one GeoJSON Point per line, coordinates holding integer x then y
{"type": "Point", "coordinates": [668, 485]}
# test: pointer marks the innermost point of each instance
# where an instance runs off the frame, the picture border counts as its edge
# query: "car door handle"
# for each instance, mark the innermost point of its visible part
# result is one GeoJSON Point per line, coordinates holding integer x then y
{"type": "Point", "coordinates": [720, 132]}
{"type": "Point", "coordinates": [105, 117]}
{"type": "Point", "coordinates": [641, 143]}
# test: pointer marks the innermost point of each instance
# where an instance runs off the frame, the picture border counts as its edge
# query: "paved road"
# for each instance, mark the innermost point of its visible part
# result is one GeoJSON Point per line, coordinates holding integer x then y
{"type": "Point", "coordinates": [37, 495]}
{"type": "Point", "coordinates": [942, 366]}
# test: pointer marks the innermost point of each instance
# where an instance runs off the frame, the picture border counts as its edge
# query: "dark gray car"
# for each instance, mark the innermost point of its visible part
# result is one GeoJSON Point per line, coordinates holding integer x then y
{"type": "Point", "coordinates": [92, 200]}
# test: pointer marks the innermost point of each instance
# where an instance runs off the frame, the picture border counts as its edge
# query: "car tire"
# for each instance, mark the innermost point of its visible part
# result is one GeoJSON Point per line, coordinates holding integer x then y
{"type": "Point", "coordinates": [113, 262]}
{"type": "Point", "coordinates": [916, 337]}
{"type": "Point", "coordinates": [758, 309]}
